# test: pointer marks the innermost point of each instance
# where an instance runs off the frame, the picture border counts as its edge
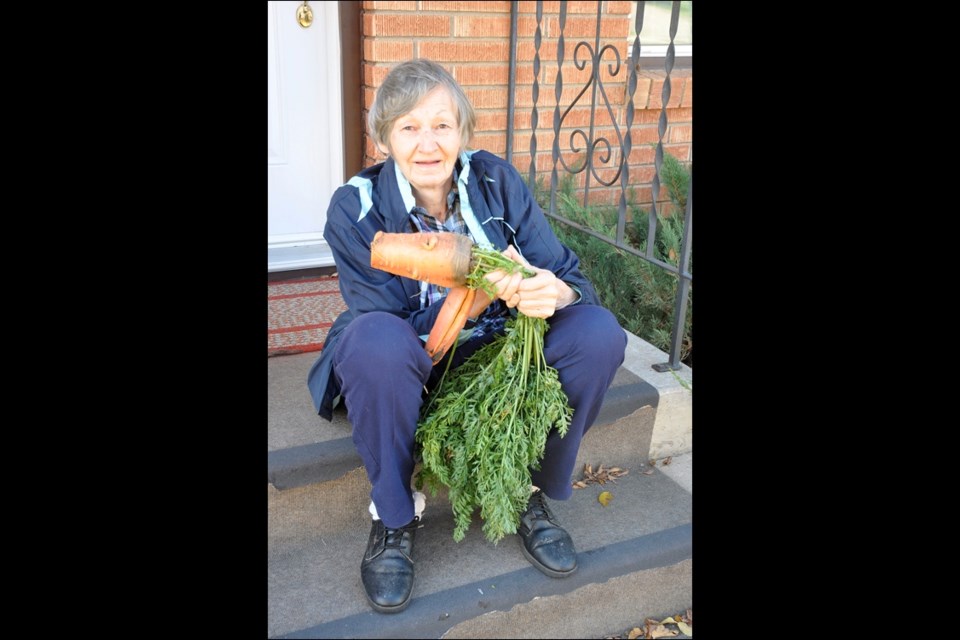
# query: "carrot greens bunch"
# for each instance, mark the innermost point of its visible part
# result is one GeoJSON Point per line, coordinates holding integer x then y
{"type": "Point", "coordinates": [485, 427]}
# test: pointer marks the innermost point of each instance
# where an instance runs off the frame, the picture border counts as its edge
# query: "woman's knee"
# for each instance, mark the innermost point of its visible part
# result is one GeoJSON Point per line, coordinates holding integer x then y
{"type": "Point", "coordinates": [594, 332]}
{"type": "Point", "coordinates": [381, 341]}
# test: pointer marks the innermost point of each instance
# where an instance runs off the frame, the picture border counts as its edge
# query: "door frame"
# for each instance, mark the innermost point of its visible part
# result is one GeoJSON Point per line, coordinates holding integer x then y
{"type": "Point", "coordinates": [351, 81]}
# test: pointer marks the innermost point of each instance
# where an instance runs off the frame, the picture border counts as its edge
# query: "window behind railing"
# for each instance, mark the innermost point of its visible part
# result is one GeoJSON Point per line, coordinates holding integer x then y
{"type": "Point", "coordinates": [605, 67]}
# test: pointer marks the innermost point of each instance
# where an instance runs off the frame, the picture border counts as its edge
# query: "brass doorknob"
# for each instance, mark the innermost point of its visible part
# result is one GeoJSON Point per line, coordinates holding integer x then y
{"type": "Point", "coordinates": [305, 15]}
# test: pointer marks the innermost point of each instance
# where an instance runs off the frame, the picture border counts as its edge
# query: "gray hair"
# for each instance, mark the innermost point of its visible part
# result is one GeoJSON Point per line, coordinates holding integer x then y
{"type": "Point", "coordinates": [404, 87]}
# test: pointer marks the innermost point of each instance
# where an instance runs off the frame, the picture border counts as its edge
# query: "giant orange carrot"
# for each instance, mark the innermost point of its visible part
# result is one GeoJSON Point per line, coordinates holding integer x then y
{"type": "Point", "coordinates": [438, 258]}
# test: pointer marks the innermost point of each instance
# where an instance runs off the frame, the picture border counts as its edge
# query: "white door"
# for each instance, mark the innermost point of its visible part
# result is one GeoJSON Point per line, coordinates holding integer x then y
{"type": "Point", "coordinates": [304, 133]}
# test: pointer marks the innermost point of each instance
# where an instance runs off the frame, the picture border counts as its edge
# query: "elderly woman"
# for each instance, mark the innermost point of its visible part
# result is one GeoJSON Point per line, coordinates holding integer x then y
{"type": "Point", "coordinates": [374, 357]}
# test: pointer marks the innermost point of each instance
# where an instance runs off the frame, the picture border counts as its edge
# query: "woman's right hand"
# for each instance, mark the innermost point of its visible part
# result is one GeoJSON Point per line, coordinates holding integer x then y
{"type": "Point", "coordinates": [507, 284]}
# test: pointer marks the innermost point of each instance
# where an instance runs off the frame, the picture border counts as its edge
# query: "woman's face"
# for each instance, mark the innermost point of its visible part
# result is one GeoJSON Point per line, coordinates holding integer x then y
{"type": "Point", "coordinates": [425, 142]}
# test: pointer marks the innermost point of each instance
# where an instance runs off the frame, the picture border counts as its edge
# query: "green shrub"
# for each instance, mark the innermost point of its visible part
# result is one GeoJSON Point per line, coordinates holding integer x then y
{"type": "Point", "coordinates": [641, 295]}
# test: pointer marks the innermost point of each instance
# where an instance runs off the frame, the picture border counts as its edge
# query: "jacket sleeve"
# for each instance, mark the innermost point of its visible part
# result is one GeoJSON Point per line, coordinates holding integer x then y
{"type": "Point", "coordinates": [534, 237]}
{"type": "Point", "coordinates": [364, 288]}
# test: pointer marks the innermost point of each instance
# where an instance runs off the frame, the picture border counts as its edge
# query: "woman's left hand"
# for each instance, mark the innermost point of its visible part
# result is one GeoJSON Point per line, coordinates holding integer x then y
{"type": "Point", "coordinates": [540, 295]}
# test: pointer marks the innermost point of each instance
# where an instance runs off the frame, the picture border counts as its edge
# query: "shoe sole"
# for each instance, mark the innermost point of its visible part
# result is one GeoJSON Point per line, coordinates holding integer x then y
{"type": "Point", "coordinates": [553, 573]}
{"type": "Point", "coordinates": [394, 609]}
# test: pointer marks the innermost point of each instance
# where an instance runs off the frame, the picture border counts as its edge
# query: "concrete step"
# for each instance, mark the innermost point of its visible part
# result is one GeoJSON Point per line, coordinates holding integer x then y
{"type": "Point", "coordinates": [635, 560]}
{"type": "Point", "coordinates": [303, 448]}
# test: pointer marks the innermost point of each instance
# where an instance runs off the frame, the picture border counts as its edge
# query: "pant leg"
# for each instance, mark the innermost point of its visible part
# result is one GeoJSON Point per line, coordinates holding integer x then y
{"type": "Point", "coordinates": [586, 345]}
{"type": "Point", "coordinates": [381, 366]}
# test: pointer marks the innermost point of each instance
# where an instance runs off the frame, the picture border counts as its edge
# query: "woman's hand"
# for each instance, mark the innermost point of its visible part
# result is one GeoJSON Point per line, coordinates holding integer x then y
{"type": "Point", "coordinates": [538, 296]}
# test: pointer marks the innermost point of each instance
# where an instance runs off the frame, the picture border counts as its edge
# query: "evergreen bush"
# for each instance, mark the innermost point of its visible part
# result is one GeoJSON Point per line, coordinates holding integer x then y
{"type": "Point", "coordinates": [640, 294]}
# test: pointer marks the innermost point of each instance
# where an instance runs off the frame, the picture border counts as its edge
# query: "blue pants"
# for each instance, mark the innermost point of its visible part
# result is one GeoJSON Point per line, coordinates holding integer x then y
{"type": "Point", "coordinates": [382, 369]}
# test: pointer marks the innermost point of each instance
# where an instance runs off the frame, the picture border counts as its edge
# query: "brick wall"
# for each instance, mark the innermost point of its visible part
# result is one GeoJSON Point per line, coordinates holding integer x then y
{"type": "Point", "coordinates": [472, 40]}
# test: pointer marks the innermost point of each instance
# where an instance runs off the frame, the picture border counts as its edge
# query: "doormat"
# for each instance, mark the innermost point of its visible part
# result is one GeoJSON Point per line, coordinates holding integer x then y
{"type": "Point", "coordinates": [300, 313]}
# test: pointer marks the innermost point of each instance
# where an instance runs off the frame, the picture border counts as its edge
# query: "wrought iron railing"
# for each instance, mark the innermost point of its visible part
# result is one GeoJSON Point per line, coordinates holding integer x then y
{"type": "Point", "coordinates": [592, 143]}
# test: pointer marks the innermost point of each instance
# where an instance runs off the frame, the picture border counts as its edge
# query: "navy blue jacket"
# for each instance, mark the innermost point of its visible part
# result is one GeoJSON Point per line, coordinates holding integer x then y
{"type": "Point", "coordinates": [493, 197]}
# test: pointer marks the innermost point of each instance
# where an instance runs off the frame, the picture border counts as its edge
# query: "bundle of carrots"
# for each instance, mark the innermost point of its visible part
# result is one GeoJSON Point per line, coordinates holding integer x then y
{"type": "Point", "coordinates": [486, 425]}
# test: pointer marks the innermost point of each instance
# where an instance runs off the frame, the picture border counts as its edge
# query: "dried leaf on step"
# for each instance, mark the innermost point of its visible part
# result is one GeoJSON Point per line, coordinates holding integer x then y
{"type": "Point", "coordinates": [667, 460]}
{"type": "Point", "coordinates": [648, 472]}
{"type": "Point", "coordinates": [657, 630]}
{"type": "Point", "coordinates": [579, 484]}
{"type": "Point", "coordinates": [670, 620]}
{"type": "Point", "coordinates": [601, 476]}
{"type": "Point", "coordinates": [636, 632]}
{"type": "Point", "coordinates": [605, 498]}
{"type": "Point", "coordinates": [685, 628]}
{"type": "Point", "coordinates": [689, 617]}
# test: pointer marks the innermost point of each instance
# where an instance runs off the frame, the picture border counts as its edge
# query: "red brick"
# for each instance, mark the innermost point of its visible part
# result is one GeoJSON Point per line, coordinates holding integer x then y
{"type": "Point", "coordinates": [680, 151]}
{"type": "Point", "coordinates": [579, 7]}
{"type": "Point", "coordinates": [674, 116]}
{"type": "Point", "coordinates": [642, 195]}
{"type": "Point", "coordinates": [653, 74]}
{"type": "Point", "coordinates": [680, 133]}
{"type": "Point", "coordinates": [641, 95]}
{"type": "Point", "coordinates": [481, 26]}
{"type": "Point", "coordinates": [579, 117]}
{"type": "Point", "coordinates": [485, 74]}
{"type": "Point", "coordinates": [373, 75]}
{"type": "Point", "coordinates": [656, 93]}
{"type": "Point", "coordinates": [495, 98]}
{"type": "Point", "coordinates": [522, 141]}
{"type": "Point", "coordinates": [371, 150]}
{"type": "Point", "coordinates": [522, 163]}
{"type": "Point", "coordinates": [525, 73]}
{"type": "Point", "coordinates": [473, 51]}
{"type": "Point", "coordinates": [385, 25]}
{"type": "Point", "coordinates": [375, 50]}
{"type": "Point", "coordinates": [492, 120]}
{"type": "Point", "coordinates": [652, 116]}
{"type": "Point", "coordinates": [615, 7]}
{"type": "Point", "coordinates": [586, 27]}
{"type": "Point", "coordinates": [644, 134]}
{"type": "Point", "coordinates": [687, 100]}
{"type": "Point", "coordinates": [647, 116]}
{"type": "Point", "coordinates": [641, 174]}
{"type": "Point", "coordinates": [389, 6]}
{"type": "Point", "coordinates": [527, 50]}
{"type": "Point", "coordinates": [523, 121]}
{"type": "Point", "coordinates": [604, 173]}
{"type": "Point", "coordinates": [548, 7]}
{"type": "Point", "coordinates": [603, 195]}
{"type": "Point", "coordinates": [573, 160]}
{"type": "Point", "coordinates": [495, 143]}
{"type": "Point", "coordinates": [369, 93]}
{"type": "Point", "coordinates": [462, 6]}
{"type": "Point", "coordinates": [642, 154]}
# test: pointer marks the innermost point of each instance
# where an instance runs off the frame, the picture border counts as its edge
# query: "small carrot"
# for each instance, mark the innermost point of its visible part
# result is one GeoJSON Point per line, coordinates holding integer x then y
{"type": "Point", "coordinates": [439, 258]}
{"type": "Point", "coordinates": [451, 319]}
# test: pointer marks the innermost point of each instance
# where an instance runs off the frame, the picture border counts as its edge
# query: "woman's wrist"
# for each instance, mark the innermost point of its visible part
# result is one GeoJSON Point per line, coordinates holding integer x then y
{"type": "Point", "coordinates": [568, 295]}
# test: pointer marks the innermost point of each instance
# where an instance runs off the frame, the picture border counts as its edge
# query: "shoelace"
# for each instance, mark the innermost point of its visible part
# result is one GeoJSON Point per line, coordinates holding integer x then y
{"type": "Point", "coordinates": [395, 538]}
{"type": "Point", "coordinates": [538, 507]}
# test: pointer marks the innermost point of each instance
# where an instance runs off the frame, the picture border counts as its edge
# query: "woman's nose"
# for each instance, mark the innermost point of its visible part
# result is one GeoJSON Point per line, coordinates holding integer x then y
{"type": "Point", "coordinates": [428, 140]}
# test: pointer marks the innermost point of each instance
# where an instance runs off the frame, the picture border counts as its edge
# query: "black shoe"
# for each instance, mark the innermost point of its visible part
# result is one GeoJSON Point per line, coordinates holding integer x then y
{"type": "Point", "coordinates": [545, 543]}
{"type": "Point", "coordinates": [387, 568]}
